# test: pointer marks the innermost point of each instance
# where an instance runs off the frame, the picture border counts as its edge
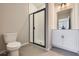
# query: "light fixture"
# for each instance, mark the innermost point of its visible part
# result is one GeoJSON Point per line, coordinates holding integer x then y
{"type": "Point", "coordinates": [68, 4]}
{"type": "Point", "coordinates": [63, 5]}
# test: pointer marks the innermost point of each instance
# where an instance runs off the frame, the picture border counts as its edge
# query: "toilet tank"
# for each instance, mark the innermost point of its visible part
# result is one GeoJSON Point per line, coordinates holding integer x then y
{"type": "Point", "coordinates": [10, 37]}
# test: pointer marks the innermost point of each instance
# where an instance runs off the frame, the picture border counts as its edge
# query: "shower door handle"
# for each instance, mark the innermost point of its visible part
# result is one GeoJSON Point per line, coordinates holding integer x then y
{"type": "Point", "coordinates": [34, 28]}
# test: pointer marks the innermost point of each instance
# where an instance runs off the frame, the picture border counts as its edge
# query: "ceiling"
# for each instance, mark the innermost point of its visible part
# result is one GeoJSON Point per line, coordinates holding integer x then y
{"type": "Point", "coordinates": [38, 5]}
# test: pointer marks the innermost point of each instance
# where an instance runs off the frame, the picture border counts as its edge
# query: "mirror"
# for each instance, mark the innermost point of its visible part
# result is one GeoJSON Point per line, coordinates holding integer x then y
{"type": "Point", "coordinates": [63, 23]}
{"type": "Point", "coordinates": [64, 19]}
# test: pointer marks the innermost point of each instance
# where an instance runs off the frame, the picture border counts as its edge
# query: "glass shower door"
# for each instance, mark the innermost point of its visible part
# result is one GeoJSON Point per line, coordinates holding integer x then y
{"type": "Point", "coordinates": [39, 27]}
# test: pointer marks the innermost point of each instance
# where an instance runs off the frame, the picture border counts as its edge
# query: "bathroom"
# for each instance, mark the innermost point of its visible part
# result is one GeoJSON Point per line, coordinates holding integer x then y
{"type": "Point", "coordinates": [14, 18]}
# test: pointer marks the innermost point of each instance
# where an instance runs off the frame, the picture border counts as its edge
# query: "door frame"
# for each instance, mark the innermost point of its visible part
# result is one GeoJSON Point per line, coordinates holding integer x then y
{"type": "Point", "coordinates": [29, 27]}
{"type": "Point", "coordinates": [44, 9]}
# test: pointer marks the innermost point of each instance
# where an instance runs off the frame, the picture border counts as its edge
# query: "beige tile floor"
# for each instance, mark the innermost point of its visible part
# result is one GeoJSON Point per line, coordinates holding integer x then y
{"type": "Point", "coordinates": [51, 53]}
{"type": "Point", "coordinates": [31, 50]}
{"type": "Point", "coordinates": [34, 50]}
{"type": "Point", "coordinates": [64, 52]}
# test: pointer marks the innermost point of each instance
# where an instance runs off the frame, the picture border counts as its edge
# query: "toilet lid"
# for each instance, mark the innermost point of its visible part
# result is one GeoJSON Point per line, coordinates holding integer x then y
{"type": "Point", "coordinates": [14, 44]}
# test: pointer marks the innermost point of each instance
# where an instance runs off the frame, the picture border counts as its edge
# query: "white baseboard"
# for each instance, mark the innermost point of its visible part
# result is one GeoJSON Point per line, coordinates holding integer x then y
{"type": "Point", "coordinates": [24, 44]}
{"type": "Point", "coordinates": [48, 49]}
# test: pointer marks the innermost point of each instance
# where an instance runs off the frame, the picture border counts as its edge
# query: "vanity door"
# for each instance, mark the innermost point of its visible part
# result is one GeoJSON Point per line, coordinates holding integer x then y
{"type": "Point", "coordinates": [71, 40]}
{"type": "Point", "coordinates": [57, 40]}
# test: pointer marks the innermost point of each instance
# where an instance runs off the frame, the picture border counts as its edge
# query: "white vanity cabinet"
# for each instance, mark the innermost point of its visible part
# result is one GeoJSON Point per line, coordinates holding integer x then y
{"type": "Point", "coordinates": [66, 39]}
{"type": "Point", "coordinates": [71, 38]}
{"type": "Point", "coordinates": [57, 40]}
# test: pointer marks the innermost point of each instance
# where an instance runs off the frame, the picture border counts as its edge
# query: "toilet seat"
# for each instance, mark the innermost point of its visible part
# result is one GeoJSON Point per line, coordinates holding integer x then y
{"type": "Point", "coordinates": [13, 46]}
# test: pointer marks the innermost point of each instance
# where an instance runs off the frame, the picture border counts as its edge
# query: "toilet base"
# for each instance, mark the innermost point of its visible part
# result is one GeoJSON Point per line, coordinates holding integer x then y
{"type": "Point", "coordinates": [14, 53]}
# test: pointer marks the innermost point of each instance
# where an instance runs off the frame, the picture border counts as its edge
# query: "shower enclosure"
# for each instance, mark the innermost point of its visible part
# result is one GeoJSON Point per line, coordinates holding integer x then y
{"type": "Point", "coordinates": [38, 27]}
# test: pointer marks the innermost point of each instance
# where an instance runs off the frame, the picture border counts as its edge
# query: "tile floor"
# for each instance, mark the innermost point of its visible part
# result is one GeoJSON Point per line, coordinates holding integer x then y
{"type": "Point", "coordinates": [31, 50]}
{"type": "Point", "coordinates": [34, 50]}
{"type": "Point", "coordinates": [64, 52]}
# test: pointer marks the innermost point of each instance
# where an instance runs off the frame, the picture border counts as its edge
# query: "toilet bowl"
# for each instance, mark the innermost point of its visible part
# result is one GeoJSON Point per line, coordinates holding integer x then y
{"type": "Point", "coordinates": [11, 44]}
{"type": "Point", "coordinates": [13, 47]}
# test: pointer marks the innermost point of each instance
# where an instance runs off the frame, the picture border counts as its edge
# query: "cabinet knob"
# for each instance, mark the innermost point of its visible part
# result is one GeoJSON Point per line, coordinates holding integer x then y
{"type": "Point", "coordinates": [62, 36]}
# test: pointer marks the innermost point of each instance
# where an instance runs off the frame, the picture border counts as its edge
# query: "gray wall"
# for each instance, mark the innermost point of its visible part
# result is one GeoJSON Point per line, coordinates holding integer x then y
{"type": "Point", "coordinates": [14, 18]}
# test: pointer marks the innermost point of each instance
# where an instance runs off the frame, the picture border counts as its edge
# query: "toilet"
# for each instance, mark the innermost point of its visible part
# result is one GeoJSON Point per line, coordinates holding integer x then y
{"type": "Point", "coordinates": [11, 44]}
